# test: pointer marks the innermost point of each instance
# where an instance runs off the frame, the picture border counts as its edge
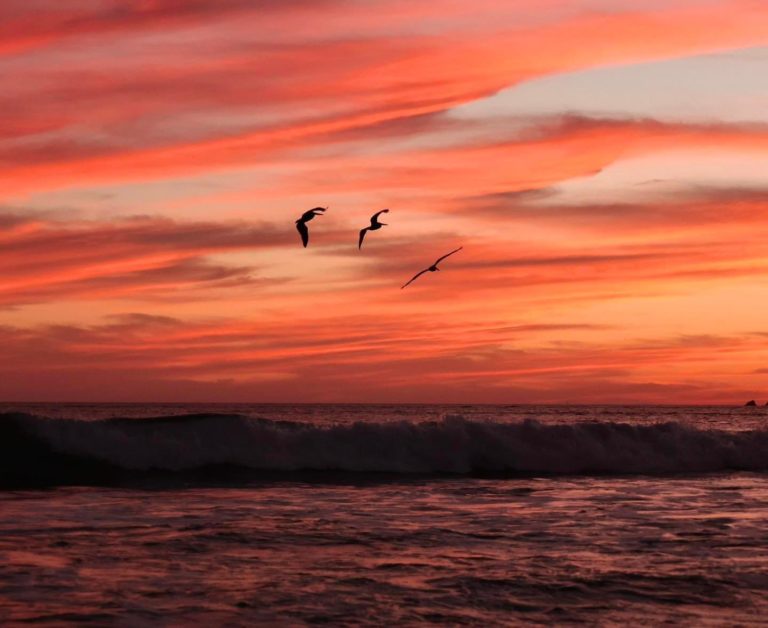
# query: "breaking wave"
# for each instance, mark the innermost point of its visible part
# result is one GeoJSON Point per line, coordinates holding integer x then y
{"type": "Point", "coordinates": [41, 450]}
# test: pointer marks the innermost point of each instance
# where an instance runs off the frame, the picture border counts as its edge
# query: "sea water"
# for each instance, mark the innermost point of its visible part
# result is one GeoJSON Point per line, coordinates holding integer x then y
{"type": "Point", "coordinates": [222, 515]}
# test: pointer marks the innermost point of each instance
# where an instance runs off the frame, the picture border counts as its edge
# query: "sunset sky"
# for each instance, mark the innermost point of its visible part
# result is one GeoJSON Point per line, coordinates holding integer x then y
{"type": "Point", "coordinates": [604, 164]}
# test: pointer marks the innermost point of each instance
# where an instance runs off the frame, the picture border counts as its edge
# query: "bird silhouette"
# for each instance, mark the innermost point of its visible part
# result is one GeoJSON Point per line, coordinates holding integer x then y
{"type": "Point", "coordinates": [375, 225]}
{"type": "Point", "coordinates": [432, 268]}
{"type": "Point", "coordinates": [301, 223]}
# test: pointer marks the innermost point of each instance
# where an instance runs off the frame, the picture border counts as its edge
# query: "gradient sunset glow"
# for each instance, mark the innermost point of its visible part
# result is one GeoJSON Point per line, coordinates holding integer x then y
{"type": "Point", "coordinates": [603, 163]}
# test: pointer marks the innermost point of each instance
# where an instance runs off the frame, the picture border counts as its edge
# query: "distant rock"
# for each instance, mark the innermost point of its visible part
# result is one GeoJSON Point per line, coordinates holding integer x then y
{"type": "Point", "coordinates": [751, 403]}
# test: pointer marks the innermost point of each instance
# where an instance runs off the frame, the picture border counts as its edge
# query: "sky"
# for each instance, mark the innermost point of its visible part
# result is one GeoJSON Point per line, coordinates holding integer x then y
{"type": "Point", "coordinates": [602, 162]}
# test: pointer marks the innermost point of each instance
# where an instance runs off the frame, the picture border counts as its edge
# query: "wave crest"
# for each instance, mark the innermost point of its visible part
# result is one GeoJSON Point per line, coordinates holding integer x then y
{"type": "Point", "coordinates": [36, 446]}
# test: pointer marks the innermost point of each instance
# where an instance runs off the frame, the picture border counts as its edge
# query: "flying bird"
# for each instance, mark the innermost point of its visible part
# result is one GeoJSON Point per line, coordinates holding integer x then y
{"type": "Point", "coordinates": [432, 268]}
{"type": "Point", "coordinates": [301, 223]}
{"type": "Point", "coordinates": [375, 224]}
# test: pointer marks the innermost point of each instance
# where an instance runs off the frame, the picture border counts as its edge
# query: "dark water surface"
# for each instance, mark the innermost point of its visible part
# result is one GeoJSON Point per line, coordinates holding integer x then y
{"type": "Point", "coordinates": [379, 515]}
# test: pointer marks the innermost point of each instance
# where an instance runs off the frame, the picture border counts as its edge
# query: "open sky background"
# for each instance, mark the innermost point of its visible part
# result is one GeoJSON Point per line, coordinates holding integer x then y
{"type": "Point", "coordinates": [604, 163]}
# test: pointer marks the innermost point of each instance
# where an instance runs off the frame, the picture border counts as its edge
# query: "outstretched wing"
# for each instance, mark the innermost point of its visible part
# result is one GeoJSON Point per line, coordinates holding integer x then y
{"type": "Point", "coordinates": [447, 255]}
{"type": "Point", "coordinates": [302, 229]}
{"type": "Point", "coordinates": [362, 235]}
{"type": "Point", "coordinates": [377, 214]}
{"type": "Point", "coordinates": [414, 278]}
{"type": "Point", "coordinates": [309, 215]}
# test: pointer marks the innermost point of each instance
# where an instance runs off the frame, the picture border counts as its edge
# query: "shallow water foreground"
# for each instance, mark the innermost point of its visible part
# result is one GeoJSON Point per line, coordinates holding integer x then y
{"type": "Point", "coordinates": [639, 550]}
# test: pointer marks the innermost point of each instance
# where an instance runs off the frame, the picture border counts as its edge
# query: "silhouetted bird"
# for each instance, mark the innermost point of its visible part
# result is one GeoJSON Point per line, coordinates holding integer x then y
{"type": "Point", "coordinates": [432, 268]}
{"type": "Point", "coordinates": [375, 224]}
{"type": "Point", "coordinates": [301, 223]}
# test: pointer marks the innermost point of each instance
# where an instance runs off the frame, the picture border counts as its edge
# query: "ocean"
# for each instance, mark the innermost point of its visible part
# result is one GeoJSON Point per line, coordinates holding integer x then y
{"type": "Point", "coordinates": [349, 515]}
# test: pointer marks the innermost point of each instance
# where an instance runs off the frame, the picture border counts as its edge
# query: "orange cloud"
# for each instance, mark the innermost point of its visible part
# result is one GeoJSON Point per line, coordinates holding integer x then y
{"type": "Point", "coordinates": [45, 260]}
{"type": "Point", "coordinates": [156, 120]}
{"type": "Point", "coordinates": [240, 360]}
{"type": "Point", "coordinates": [232, 118]}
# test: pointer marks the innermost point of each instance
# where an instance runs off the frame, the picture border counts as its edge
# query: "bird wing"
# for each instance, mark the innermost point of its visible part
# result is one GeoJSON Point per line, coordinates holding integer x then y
{"type": "Point", "coordinates": [414, 278]}
{"type": "Point", "coordinates": [302, 229]}
{"type": "Point", "coordinates": [362, 235]}
{"type": "Point", "coordinates": [310, 214]}
{"type": "Point", "coordinates": [377, 214]}
{"type": "Point", "coordinates": [447, 255]}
